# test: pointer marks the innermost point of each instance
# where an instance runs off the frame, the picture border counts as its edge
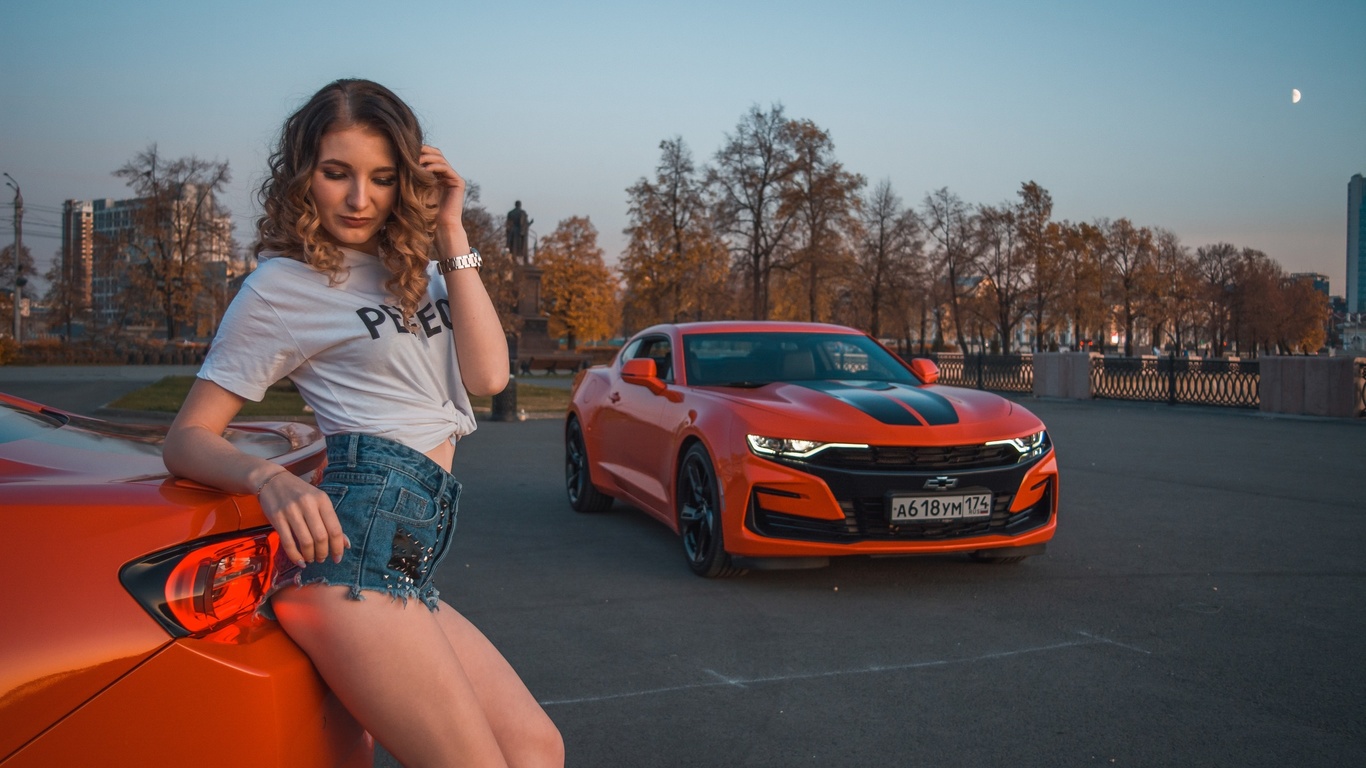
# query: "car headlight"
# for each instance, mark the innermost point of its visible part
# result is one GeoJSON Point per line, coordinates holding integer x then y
{"type": "Point", "coordinates": [1029, 446]}
{"type": "Point", "coordinates": [790, 448]}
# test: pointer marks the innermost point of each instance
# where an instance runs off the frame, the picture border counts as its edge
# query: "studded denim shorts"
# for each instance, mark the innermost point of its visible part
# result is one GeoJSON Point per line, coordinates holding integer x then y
{"type": "Point", "coordinates": [398, 509]}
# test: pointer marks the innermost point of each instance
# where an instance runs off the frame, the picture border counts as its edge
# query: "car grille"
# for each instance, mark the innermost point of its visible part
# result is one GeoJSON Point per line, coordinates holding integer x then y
{"type": "Point", "coordinates": [866, 519]}
{"type": "Point", "coordinates": [898, 458]}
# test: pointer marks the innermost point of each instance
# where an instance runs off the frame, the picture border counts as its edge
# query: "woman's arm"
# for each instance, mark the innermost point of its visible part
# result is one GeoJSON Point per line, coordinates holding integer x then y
{"type": "Point", "coordinates": [196, 449]}
{"type": "Point", "coordinates": [479, 336]}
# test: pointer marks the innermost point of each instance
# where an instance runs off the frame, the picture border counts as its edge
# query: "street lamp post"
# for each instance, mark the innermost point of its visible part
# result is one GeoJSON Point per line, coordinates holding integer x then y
{"type": "Point", "coordinates": [19, 280]}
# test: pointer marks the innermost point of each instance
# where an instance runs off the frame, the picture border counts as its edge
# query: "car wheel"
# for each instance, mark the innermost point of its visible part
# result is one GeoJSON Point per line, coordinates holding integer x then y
{"type": "Point", "coordinates": [699, 516]}
{"type": "Point", "coordinates": [583, 497]}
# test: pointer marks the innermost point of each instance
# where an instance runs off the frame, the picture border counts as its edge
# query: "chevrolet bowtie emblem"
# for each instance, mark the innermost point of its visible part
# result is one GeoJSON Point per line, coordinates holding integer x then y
{"type": "Point", "coordinates": [941, 483]}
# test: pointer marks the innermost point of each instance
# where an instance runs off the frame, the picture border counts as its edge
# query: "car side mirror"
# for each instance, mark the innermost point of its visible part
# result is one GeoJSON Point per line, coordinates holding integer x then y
{"type": "Point", "coordinates": [641, 371]}
{"type": "Point", "coordinates": [925, 370]}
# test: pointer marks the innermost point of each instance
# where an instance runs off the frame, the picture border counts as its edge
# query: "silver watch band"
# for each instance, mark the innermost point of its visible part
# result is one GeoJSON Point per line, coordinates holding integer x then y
{"type": "Point", "coordinates": [452, 263]}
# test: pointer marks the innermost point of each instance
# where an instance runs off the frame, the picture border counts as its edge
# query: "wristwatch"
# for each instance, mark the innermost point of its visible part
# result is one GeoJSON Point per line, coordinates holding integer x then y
{"type": "Point", "coordinates": [452, 263]}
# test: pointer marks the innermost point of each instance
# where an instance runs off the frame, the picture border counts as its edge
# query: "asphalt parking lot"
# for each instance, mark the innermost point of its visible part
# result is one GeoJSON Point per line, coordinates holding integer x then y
{"type": "Point", "coordinates": [1201, 605]}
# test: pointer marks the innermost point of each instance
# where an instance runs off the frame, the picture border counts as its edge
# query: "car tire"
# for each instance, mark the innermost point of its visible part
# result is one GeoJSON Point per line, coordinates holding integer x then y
{"type": "Point", "coordinates": [698, 503]}
{"type": "Point", "coordinates": [583, 497]}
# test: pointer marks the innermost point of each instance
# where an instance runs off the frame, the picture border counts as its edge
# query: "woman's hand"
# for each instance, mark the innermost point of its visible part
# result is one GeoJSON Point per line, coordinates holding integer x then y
{"type": "Point", "coordinates": [304, 518]}
{"type": "Point", "coordinates": [450, 226]}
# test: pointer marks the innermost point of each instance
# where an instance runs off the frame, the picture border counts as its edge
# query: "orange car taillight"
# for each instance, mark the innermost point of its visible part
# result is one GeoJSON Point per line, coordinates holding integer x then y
{"type": "Point", "coordinates": [195, 589]}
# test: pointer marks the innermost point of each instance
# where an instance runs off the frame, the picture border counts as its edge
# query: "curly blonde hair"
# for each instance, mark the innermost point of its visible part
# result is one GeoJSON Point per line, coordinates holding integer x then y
{"type": "Point", "coordinates": [290, 224]}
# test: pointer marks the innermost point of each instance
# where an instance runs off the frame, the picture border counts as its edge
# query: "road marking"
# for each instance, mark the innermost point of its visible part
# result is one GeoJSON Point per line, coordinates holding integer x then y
{"type": "Point", "coordinates": [742, 682]}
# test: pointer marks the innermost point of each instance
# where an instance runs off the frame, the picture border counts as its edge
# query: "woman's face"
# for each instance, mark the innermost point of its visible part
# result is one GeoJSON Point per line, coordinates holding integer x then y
{"type": "Point", "coordinates": [355, 186]}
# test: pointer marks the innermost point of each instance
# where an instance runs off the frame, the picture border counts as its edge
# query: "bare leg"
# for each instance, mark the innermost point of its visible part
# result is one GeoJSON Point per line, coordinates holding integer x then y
{"type": "Point", "coordinates": [395, 668]}
{"type": "Point", "coordinates": [527, 736]}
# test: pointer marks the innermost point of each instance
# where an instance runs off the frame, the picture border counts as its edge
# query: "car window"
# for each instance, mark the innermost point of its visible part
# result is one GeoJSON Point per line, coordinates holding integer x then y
{"type": "Point", "coordinates": [657, 348]}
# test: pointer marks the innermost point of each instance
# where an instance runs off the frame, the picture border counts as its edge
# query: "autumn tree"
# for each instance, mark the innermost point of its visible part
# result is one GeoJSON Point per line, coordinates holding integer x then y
{"type": "Point", "coordinates": [949, 225]}
{"type": "Point", "coordinates": [675, 267]}
{"type": "Point", "coordinates": [752, 170]}
{"type": "Point", "coordinates": [66, 300]}
{"type": "Point", "coordinates": [1037, 238]}
{"type": "Point", "coordinates": [577, 290]}
{"type": "Point", "coordinates": [1128, 268]}
{"type": "Point", "coordinates": [1081, 247]}
{"type": "Point", "coordinates": [499, 270]}
{"type": "Point", "coordinates": [823, 199]}
{"type": "Point", "coordinates": [178, 225]}
{"type": "Point", "coordinates": [1304, 316]}
{"type": "Point", "coordinates": [7, 279]}
{"type": "Point", "coordinates": [1254, 301]}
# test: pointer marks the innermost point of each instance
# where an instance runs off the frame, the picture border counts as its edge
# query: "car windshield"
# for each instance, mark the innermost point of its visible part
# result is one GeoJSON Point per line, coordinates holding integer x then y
{"type": "Point", "coordinates": [756, 358]}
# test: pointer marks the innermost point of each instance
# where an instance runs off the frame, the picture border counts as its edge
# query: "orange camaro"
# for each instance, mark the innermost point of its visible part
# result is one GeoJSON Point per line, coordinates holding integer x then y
{"type": "Point", "coordinates": [129, 632]}
{"type": "Point", "coordinates": [783, 444]}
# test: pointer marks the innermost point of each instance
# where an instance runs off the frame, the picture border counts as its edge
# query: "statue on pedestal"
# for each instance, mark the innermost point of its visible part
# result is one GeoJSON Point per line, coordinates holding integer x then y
{"type": "Point", "coordinates": [518, 226]}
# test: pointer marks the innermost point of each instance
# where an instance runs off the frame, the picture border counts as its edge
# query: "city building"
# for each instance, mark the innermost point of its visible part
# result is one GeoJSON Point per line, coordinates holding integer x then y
{"type": "Point", "coordinates": [1356, 244]}
{"type": "Point", "coordinates": [100, 245]}
{"type": "Point", "coordinates": [1319, 281]}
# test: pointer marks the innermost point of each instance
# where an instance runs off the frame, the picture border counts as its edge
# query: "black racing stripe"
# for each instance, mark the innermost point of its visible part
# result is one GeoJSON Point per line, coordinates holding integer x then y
{"type": "Point", "coordinates": [934, 408]}
{"type": "Point", "coordinates": [871, 398]}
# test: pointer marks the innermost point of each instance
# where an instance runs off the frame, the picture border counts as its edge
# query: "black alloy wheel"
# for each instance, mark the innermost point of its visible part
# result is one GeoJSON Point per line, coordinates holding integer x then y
{"type": "Point", "coordinates": [699, 516]}
{"type": "Point", "coordinates": [583, 497]}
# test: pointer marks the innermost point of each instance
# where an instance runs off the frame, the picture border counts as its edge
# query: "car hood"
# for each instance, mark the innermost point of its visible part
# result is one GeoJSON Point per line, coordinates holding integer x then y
{"type": "Point", "coordinates": [879, 411]}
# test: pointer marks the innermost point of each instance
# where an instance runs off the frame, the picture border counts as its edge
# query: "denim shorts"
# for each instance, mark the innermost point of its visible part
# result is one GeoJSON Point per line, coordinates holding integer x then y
{"type": "Point", "coordinates": [398, 509]}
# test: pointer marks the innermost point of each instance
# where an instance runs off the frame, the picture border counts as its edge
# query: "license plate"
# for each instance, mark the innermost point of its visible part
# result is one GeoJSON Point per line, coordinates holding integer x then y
{"type": "Point", "coordinates": [941, 506]}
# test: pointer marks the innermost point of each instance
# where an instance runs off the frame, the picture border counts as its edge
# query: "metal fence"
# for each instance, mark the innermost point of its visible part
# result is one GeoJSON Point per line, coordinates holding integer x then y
{"type": "Point", "coordinates": [999, 373]}
{"type": "Point", "coordinates": [1194, 381]}
{"type": "Point", "coordinates": [1232, 383]}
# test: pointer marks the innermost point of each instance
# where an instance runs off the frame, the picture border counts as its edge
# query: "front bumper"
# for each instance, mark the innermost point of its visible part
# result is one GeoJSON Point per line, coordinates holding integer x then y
{"type": "Point", "coordinates": [799, 509]}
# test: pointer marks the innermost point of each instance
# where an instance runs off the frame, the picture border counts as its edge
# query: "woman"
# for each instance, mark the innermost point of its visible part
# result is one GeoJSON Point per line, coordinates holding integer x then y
{"type": "Point", "coordinates": [366, 288]}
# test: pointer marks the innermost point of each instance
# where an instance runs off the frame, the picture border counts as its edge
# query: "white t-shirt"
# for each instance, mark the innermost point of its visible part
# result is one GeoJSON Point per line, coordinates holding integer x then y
{"type": "Point", "coordinates": [346, 349]}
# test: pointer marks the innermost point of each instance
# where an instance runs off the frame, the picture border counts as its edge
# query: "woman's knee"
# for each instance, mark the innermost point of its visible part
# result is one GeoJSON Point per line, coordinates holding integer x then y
{"type": "Point", "coordinates": [545, 745]}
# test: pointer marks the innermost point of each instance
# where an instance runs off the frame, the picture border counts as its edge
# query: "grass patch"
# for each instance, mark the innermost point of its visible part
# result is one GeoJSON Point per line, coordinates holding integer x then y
{"type": "Point", "coordinates": [283, 401]}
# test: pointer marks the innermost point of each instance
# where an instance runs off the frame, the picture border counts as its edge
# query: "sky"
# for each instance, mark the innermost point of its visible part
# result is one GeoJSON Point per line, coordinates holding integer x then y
{"type": "Point", "coordinates": [1171, 114]}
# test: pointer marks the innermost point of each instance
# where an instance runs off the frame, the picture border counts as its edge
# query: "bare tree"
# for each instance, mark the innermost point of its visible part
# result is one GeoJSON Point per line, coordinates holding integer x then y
{"type": "Point", "coordinates": [890, 259]}
{"type": "Point", "coordinates": [1002, 261]}
{"type": "Point", "coordinates": [752, 169]}
{"type": "Point", "coordinates": [949, 223]}
{"type": "Point", "coordinates": [179, 224]}
{"type": "Point", "coordinates": [1173, 299]}
{"type": "Point", "coordinates": [1216, 264]}
{"type": "Point", "coordinates": [823, 198]}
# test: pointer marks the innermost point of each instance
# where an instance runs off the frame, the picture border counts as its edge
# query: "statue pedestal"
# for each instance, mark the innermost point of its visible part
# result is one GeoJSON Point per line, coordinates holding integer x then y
{"type": "Point", "coordinates": [535, 335]}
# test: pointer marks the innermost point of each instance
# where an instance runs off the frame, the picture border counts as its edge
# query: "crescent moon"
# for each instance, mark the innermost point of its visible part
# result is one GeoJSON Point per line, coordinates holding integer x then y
{"type": "Point", "coordinates": [1294, 95]}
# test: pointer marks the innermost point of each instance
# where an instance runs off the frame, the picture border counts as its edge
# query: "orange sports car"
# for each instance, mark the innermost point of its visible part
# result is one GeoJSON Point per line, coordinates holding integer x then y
{"type": "Point", "coordinates": [770, 444]}
{"type": "Point", "coordinates": [129, 633]}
